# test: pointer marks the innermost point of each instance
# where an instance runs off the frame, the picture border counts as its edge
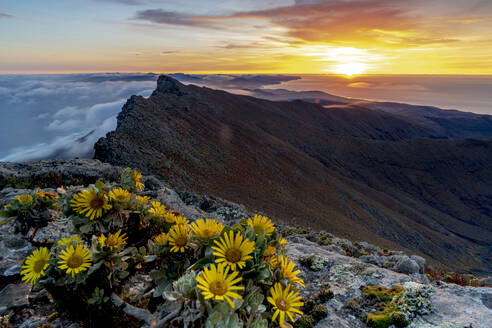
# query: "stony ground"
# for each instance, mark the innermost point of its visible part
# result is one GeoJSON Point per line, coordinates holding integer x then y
{"type": "Point", "coordinates": [337, 264]}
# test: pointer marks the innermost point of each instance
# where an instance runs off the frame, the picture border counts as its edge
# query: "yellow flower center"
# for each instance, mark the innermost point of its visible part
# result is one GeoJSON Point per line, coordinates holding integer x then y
{"type": "Point", "coordinates": [39, 265]}
{"type": "Point", "coordinates": [258, 229]}
{"type": "Point", "coordinates": [282, 304]}
{"type": "Point", "coordinates": [218, 288]}
{"type": "Point", "coordinates": [181, 241]}
{"type": "Point", "coordinates": [97, 203]}
{"type": "Point", "coordinates": [233, 255]}
{"type": "Point", "coordinates": [74, 261]}
{"type": "Point", "coordinates": [207, 233]}
{"type": "Point", "coordinates": [112, 241]}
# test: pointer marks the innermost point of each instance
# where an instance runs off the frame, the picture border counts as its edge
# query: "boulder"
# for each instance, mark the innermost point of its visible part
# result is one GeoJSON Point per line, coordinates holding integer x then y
{"type": "Point", "coordinates": [14, 296]}
{"type": "Point", "coordinates": [407, 265]}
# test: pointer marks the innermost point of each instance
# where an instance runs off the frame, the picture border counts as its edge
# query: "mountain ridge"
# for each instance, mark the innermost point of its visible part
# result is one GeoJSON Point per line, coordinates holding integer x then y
{"type": "Point", "coordinates": [318, 166]}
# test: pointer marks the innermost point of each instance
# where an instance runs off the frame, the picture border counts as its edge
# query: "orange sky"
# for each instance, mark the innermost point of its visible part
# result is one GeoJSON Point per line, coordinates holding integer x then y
{"type": "Point", "coordinates": [281, 36]}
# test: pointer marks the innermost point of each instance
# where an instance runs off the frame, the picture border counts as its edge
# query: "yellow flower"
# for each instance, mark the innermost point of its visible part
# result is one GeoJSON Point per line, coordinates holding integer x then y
{"type": "Point", "coordinates": [35, 264]}
{"type": "Point", "coordinates": [114, 241]}
{"type": "Point", "coordinates": [270, 250]}
{"type": "Point", "coordinates": [142, 199]}
{"type": "Point", "coordinates": [161, 239]}
{"type": "Point", "coordinates": [158, 210]}
{"type": "Point", "coordinates": [180, 220]}
{"type": "Point", "coordinates": [120, 195]}
{"type": "Point", "coordinates": [170, 217]}
{"type": "Point", "coordinates": [68, 240]}
{"type": "Point", "coordinates": [284, 301]}
{"type": "Point", "coordinates": [179, 237]}
{"type": "Point", "coordinates": [282, 242]}
{"type": "Point", "coordinates": [137, 176]}
{"type": "Point", "coordinates": [273, 261]}
{"type": "Point", "coordinates": [24, 199]}
{"type": "Point", "coordinates": [47, 195]}
{"type": "Point", "coordinates": [207, 228]}
{"type": "Point", "coordinates": [287, 269]}
{"type": "Point", "coordinates": [261, 223]}
{"type": "Point", "coordinates": [217, 284]}
{"type": "Point", "coordinates": [90, 202]}
{"type": "Point", "coordinates": [75, 259]}
{"type": "Point", "coordinates": [233, 250]}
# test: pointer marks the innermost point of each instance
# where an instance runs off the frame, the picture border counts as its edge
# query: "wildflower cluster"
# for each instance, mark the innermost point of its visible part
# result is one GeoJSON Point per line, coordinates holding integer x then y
{"type": "Point", "coordinates": [31, 210]}
{"type": "Point", "coordinates": [218, 275]}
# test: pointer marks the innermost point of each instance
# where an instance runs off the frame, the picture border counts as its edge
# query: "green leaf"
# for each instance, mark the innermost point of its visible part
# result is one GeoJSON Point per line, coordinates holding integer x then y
{"type": "Point", "coordinates": [263, 274]}
{"type": "Point", "coordinates": [200, 264]}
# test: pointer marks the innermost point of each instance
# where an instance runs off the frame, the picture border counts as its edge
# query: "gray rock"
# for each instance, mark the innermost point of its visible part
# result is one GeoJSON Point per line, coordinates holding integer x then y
{"type": "Point", "coordinates": [407, 265]}
{"type": "Point", "coordinates": [368, 247]}
{"type": "Point", "coordinates": [13, 250]}
{"type": "Point", "coordinates": [56, 172]}
{"type": "Point", "coordinates": [373, 259]}
{"type": "Point", "coordinates": [171, 200]}
{"type": "Point", "coordinates": [54, 231]}
{"type": "Point", "coordinates": [14, 296]}
{"type": "Point", "coordinates": [420, 261]}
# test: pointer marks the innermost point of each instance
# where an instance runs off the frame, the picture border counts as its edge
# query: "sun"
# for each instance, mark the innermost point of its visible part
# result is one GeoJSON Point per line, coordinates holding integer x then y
{"type": "Point", "coordinates": [350, 69]}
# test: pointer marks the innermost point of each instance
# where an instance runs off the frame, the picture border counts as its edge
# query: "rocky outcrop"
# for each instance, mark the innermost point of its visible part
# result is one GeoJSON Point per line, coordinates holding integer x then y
{"type": "Point", "coordinates": [359, 173]}
{"type": "Point", "coordinates": [327, 263]}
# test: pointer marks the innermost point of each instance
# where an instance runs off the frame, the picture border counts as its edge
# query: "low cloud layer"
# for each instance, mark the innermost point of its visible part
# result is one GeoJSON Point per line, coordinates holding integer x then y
{"type": "Point", "coordinates": [62, 115]}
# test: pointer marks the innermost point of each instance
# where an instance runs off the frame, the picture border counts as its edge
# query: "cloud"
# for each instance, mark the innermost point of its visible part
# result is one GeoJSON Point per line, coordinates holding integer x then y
{"type": "Point", "coordinates": [231, 81]}
{"type": "Point", "coordinates": [7, 16]}
{"type": "Point", "coordinates": [387, 86]}
{"type": "Point", "coordinates": [62, 115]}
{"type": "Point", "coordinates": [64, 147]}
{"type": "Point", "coordinates": [161, 16]}
{"type": "Point", "coordinates": [395, 22]}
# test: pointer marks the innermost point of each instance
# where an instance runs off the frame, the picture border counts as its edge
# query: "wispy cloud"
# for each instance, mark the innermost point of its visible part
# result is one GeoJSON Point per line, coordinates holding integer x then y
{"type": "Point", "coordinates": [4, 15]}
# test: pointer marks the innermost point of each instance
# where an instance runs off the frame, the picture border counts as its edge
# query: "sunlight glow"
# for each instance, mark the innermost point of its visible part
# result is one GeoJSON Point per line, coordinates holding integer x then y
{"type": "Point", "coordinates": [350, 69]}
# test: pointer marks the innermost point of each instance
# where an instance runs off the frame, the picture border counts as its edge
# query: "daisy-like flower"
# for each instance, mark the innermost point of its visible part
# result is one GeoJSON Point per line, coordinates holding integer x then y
{"type": "Point", "coordinates": [261, 223]}
{"type": "Point", "coordinates": [47, 195]}
{"type": "Point", "coordinates": [119, 195]}
{"type": "Point", "coordinates": [68, 240]}
{"type": "Point", "coordinates": [233, 250]}
{"type": "Point", "coordinates": [24, 199]}
{"type": "Point", "coordinates": [207, 228]}
{"type": "Point", "coordinates": [161, 239]}
{"type": "Point", "coordinates": [179, 237]}
{"type": "Point", "coordinates": [282, 242]}
{"type": "Point", "coordinates": [136, 177]}
{"type": "Point", "coordinates": [180, 220]}
{"type": "Point", "coordinates": [287, 270]}
{"type": "Point", "coordinates": [90, 203]}
{"type": "Point", "coordinates": [170, 217]}
{"type": "Point", "coordinates": [142, 199]}
{"type": "Point", "coordinates": [113, 241]}
{"type": "Point", "coordinates": [158, 210]}
{"type": "Point", "coordinates": [75, 259]}
{"type": "Point", "coordinates": [35, 264]}
{"type": "Point", "coordinates": [284, 301]}
{"type": "Point", "coordinates": [216, 283]}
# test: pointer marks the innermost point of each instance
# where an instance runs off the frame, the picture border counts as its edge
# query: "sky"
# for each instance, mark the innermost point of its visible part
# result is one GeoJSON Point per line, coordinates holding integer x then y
{"type": "Point", "coordinates": [349, 37]}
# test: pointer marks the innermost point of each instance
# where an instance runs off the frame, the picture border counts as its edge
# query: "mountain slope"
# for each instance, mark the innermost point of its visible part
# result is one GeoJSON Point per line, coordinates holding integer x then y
{"type": "Point", "coordinates": [361, 173]}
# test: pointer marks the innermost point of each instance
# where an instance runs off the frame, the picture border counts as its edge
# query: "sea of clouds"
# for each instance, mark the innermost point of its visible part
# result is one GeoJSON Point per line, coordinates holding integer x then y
{"type": "Point", "coordinates": [45, 116]}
